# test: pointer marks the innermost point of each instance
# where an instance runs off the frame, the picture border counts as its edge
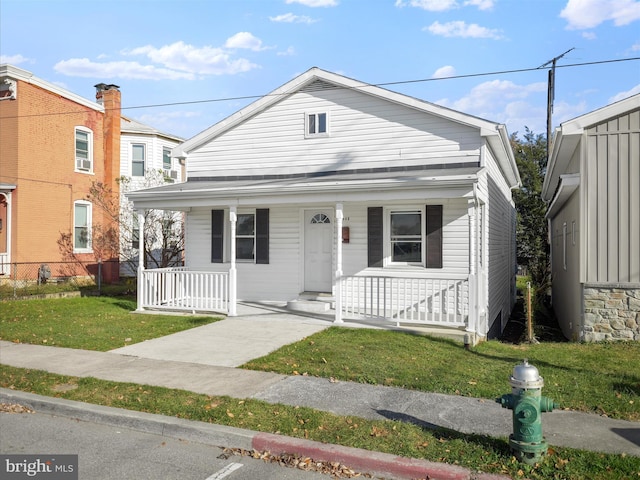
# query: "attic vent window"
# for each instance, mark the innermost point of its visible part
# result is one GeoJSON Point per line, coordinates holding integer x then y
{"type": "Point", "coordinates": [317, 124]}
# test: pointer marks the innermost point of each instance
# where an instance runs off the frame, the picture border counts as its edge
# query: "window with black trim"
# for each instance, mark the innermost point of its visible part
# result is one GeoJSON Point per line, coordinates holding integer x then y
{"type": "Point", "coordinates": [405, 236]}
{"type": "Point", "coordinates": [252, 236]}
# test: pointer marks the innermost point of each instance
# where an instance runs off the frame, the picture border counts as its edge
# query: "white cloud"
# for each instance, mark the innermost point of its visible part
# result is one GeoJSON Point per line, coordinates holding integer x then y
{"type": "Point", "coordinates": [589, 35]}
{"type": "Point", "coordinates": [583, 14]}
{"type": "Point", "coordinates": [622, 95]}
{"type": "Point", "coordinates": [505, 102]}
{"type": "Point", "coordinates": [291, 18]}
{"type": "Point", "coordinates": [205, 60]}
{"type": "Point", "coordinates": [481, 4]}
{"type": "Point", "coordinates": [444, 72]}
{"type": "Point", "coordinates": [288, 52]}
{"type": "Point", "coordinates": [13, 59]}
{"type": "Point", "coordinates": [245, 40]}
{"type": "Point", "coordinates": [83, 67]}
{"type": "Point", "coordinates": [461, 29]}
{"type": "Point", "coordinates": [635, 47]}
{"type": "Point", "coordinates": [315, 3]}
{"type": "Point", "coordinates": [429, 5]}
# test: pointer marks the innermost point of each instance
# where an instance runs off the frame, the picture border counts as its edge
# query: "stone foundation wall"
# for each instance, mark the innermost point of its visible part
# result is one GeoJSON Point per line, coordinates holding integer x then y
{"type": "Point", "coordinates": [611, 313]}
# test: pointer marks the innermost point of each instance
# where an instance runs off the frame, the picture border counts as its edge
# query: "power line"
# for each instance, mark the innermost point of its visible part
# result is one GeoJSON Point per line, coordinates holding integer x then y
{"type": "Point", "coordinates": [384, 84]}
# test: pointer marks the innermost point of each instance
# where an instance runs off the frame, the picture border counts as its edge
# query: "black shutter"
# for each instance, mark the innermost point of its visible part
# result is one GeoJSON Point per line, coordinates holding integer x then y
{"type": "Point", "coordinates": [434, 236]}
{"type": "Point", "coordinates": [262, 235]}
{"type": "Point", "coordinates": [375, 241]}
{"type": "Point", "coordinates": [217, 235]}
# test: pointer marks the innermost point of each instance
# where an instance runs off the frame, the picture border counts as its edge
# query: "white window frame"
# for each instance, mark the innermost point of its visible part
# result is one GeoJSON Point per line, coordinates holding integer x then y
{"type": "Point", "coordinates": [316, 115]}
{"type": "Point", "coordinates": [78, 161]}
{"type": "Point", "coordinates": [164, 165]}
{"type": "Point", "coordinates": [388, 241]}
{"type": "Point", "coordinates": [144, 160]}
{"type": "Point", "coordinates": [89, 207]}
{"type": "Point", "coordinates": [241, 236]}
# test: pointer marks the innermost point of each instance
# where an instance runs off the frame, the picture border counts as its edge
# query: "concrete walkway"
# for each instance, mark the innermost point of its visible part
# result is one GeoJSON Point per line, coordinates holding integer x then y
{"type": "Point", "coordinates": [202, 360]}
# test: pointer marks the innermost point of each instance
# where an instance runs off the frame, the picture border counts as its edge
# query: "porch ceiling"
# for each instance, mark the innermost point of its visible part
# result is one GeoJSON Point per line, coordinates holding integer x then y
{"type": "Point", "coordinates": [436, 183]}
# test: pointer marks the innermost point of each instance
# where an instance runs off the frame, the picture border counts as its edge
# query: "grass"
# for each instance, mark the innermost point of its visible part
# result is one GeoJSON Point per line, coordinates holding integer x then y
{"type": "Point", "coordinates": [596, 378]}
{"type": "Point", "coordinates": [89, 323]}
{"type": "Point", "coordinates": [476, 452]}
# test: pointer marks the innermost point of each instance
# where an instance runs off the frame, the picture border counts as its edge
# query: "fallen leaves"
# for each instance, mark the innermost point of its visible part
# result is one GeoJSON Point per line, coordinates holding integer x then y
{"type": "Point", "coordinates": [14, 408]}
{"type": "Point", "coordinates": [336, 469]}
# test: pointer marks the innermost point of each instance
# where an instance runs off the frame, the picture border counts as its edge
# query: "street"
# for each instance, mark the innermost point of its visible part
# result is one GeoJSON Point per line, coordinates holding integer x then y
{"type": "Point", "coordinates": [110, 453]}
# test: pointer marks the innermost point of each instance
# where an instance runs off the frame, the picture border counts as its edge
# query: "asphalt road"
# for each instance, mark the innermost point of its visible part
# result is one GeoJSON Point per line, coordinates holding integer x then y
{"type": "Point", "coordinates": [116, 453]}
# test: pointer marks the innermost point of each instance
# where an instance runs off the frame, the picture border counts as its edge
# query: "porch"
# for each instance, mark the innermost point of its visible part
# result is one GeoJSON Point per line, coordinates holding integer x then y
{"type": "Point", "coordinates": [422, 302]}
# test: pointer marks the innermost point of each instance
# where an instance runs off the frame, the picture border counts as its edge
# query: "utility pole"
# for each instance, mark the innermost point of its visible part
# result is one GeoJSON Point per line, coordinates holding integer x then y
{"type": "Point", "coordinates": [551, 85]}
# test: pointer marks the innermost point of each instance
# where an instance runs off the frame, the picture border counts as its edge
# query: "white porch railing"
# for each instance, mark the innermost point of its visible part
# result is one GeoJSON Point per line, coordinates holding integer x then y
{"type": "Point", "coordinates": [180, 289]}
{"type": "Point", "coordinates": [428, 301]}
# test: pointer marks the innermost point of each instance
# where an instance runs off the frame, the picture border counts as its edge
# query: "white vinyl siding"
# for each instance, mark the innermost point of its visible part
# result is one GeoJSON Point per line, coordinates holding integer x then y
{"type": "Point", "coordinates": [366, 132]}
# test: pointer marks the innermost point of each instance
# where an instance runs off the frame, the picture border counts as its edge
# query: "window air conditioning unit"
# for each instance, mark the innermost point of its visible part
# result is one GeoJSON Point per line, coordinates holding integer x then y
{"type": "Point", "coordinates": [174, 174]}
{"type": "Point", "coordinates": [83, 164]}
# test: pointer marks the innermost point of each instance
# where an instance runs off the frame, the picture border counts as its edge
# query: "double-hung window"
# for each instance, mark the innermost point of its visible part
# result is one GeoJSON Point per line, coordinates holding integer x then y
{"type": "Point", "coordinates": [166, 158]}
{"type": "Point", "coordinates": [406, 237]}
{"type": "Point", "coordinates": [137, 159]}
{"type": "Point", "coordinates": [246, 236]}
{"type": "Point", "coordinates": [316, 124]}
{"type": "Point", "coordinates": [82, 227]}
{"type": "Point", "coordinates": [84, 149]}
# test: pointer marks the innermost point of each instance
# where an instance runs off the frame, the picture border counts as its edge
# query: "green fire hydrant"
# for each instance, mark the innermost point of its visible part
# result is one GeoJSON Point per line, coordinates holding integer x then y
{"type": "Point", "coordinates": [527, 404]}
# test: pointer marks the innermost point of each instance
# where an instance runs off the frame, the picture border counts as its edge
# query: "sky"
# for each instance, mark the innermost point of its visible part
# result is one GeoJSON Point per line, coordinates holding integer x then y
{"type": "Point", "coordinates": [184, 65]}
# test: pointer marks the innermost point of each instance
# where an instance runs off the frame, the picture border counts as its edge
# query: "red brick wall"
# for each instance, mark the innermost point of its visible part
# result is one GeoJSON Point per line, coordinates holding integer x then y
{"type": "Point", "coordinates": [37, 154]}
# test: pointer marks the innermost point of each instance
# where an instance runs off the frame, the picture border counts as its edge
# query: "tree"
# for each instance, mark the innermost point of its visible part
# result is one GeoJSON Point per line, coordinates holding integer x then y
{"type": "Point", "coordinates": [163, 230]}
{"type": "Point", "coordinates": [531, 230]}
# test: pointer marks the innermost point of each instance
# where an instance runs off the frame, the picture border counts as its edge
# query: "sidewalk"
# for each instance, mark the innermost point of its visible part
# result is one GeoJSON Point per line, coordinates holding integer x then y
{"type": "Point", "coordinates": [202, 360]}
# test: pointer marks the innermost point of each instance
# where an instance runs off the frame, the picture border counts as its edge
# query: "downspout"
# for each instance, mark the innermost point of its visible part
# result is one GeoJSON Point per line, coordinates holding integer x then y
{"type": "Point", "coordinates": [338, 278]}
{"type": "Point", "coordinates": [233, 288]}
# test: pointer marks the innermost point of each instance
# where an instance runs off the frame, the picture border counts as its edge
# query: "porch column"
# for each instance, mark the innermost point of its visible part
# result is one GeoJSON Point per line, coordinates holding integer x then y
{"type": "Point", "coordinates": [338, 282]}
{"type": "Point", "coordinates": [233, 219]}
{"type": "Point", "coordinates": [141, 292]}
{"type": "Point", "coordinates": [473, 271]}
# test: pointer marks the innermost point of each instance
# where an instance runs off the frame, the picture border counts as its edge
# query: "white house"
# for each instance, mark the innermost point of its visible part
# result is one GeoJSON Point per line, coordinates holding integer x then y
{"type": "Point", "coordinates": [592, 185]}
{"type": "Point", "coordinates": [145, 161]}
{"type": "Point", "coordinates": [389, 206]}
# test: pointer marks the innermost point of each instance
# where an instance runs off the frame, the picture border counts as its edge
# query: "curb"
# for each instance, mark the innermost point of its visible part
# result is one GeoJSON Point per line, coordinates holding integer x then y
{"type": "Point", "coordinates": [375, 463]}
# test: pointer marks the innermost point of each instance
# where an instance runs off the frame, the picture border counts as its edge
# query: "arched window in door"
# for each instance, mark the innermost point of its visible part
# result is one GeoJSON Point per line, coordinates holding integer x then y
{"type": "Point", "coordinates": [320, 218]}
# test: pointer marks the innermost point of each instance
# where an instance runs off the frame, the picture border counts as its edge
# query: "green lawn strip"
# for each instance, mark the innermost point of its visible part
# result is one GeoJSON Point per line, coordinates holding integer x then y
{"type": "Point", "coordinates": [597, 378]}
{"type": "Point", "coordinates": [89, 323]}
{"type": "Point", "coordinates": [475, 452]}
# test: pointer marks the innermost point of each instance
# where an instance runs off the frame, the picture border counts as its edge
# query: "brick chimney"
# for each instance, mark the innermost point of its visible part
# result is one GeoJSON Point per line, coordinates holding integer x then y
{"type": "Point", "coordinates": [109, 97]}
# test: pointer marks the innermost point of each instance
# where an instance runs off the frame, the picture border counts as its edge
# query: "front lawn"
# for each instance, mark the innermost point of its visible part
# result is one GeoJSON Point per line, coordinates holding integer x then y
{"type": "Point", "coordinates": [89, 323]}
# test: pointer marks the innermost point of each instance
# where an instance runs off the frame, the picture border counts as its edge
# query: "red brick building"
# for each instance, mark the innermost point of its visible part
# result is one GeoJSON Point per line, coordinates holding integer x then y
{"type": "Point", "coordinates": [53, 145]}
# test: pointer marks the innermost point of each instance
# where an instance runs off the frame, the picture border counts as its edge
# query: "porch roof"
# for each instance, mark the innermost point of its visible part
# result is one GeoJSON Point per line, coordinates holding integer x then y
{"type": "Point", "coordinates": [312, 188]}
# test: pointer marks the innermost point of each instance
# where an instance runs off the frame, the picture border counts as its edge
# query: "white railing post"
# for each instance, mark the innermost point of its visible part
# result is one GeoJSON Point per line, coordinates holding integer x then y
{"type": "Point", "coordinates": [338, 282]}
{"type": "Point", "coordinates": [141, 283]}
{"type": "Point", "coordinates": [233, 218]}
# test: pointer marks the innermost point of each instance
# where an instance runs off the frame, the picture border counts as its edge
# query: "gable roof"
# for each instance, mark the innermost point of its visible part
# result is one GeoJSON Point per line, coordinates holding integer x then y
{"type": "Point", "coordinates": [568, 135]}
{"type": "Point", "coordinates": [495, 134]}
{"type": "Point", "coordinates": [129, 125]}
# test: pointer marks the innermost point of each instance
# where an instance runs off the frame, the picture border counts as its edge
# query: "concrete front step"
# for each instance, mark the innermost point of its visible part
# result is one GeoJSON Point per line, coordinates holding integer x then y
{"type": "Point", "coordinates": [312, 306]}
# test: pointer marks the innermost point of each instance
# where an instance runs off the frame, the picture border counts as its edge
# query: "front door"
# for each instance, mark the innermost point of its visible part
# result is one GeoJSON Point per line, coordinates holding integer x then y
{"type": "Point", "coordinates": [318, 248]}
